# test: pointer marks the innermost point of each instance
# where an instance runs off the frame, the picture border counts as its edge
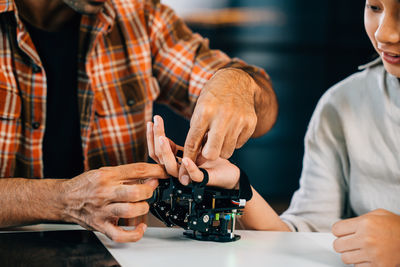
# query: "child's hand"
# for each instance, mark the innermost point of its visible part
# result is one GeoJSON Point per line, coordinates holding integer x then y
{"type": "Point", "coordinates": [164, 154]}
{"type": "Point", "coordinates": [221, 172]}
{"type": "Point", "coordinates": [372, 239]}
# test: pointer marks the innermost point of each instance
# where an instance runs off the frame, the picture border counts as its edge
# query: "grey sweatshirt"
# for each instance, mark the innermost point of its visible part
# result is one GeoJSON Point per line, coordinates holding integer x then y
{"type": "Point", "coordinates": [351, 164]}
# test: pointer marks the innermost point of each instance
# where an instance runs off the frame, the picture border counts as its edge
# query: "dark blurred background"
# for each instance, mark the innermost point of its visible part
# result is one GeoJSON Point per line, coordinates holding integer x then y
{"type": "Point", "coordinates": [305, 46]}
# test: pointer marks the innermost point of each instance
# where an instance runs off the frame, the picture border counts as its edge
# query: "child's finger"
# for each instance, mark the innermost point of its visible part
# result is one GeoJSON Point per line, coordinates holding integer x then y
{"type": "Point", "coordinates": [174, 147]}
{"type": "Point", "coordinates": [158, 131]}
{"type": "Point", "coordinates": [150, 142]}
{"type": "Point", "coordinates": [168, 157]}
{"type": "Point", "coordinates": [193, 171]}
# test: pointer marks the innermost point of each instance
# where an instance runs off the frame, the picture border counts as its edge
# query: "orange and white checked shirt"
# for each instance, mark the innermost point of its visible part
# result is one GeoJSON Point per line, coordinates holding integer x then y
{"type": "Point", "coordinates": [132, 53]}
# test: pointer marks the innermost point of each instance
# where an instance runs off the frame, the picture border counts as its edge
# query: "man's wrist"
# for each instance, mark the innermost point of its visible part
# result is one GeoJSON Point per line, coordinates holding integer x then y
{"type": "Point", "coordinates": [243, 77]}
{"type": "Point", "coordinates": [52, 200]}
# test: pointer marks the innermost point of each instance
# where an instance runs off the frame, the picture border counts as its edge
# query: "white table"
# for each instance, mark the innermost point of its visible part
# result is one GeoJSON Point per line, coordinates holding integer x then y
{"type": "Point", "coordinates": [164, 247]}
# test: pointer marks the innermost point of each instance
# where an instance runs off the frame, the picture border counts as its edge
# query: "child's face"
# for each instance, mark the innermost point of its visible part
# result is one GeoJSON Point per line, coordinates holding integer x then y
{"type": "Point", "coordinates": [382, 22]}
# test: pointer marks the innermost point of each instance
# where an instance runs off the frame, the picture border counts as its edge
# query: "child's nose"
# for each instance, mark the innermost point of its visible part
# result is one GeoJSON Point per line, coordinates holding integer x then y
{"type": "Point", "coordinates": [388, 30]}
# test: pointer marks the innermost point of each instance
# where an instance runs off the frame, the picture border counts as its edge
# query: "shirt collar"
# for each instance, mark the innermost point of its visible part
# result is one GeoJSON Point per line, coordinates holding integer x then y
{"type": "Point", "coordinates": [103, 21]}
{"type": "Point", "coordinates": [107, 15]}
{"type": "Point", "coordinates": [6, 6]}
{"type": "Point", "coordinates": [373, 63]}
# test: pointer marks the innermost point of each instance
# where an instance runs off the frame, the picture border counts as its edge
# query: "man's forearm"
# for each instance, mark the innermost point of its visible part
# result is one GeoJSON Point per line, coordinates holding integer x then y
{"type": "Point", "coordinates": [27, 201]}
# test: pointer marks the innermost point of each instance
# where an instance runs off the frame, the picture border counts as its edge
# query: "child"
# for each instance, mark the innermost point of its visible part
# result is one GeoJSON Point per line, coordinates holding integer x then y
{"type": "Point", "coordinates": [350, 183]}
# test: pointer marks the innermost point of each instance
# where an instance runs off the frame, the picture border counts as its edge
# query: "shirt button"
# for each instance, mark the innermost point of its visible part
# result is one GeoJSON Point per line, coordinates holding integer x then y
{"type": "Point", "coordinates": [131, 102]}
{"type": "Point", "coordinates": [36, 68]}
{"type": "Point", "coordinates": [35, 125]}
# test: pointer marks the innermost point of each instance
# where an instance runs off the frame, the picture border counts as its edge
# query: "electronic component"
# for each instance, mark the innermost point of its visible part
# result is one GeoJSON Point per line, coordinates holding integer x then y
{"type": "Point", "coordinates": [206, 213]}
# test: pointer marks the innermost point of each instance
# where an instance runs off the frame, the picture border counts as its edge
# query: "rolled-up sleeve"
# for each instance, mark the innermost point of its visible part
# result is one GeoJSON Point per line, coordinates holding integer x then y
{"type": "Point", "coordinates": [183, 62]}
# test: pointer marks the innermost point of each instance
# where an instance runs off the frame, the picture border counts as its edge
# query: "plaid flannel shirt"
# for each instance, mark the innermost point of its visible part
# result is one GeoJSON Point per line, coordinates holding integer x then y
{"type": "Point", "coordinates": [132, 53]}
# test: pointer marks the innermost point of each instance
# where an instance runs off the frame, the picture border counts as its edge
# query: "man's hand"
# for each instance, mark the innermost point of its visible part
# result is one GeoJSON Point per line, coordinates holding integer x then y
{"type": "Point", "coordinates": [224, 112]}
{"type": "Point", "coordinates": [372, 239]}
{"type": "Point", "coordinates": [97, 199]}
{"type": "Point", "coordinates": [231, 109]}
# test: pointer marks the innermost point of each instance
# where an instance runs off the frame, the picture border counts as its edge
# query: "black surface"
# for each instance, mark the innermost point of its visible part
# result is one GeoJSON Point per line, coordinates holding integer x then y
{"type": "Point", "coordinates": [58, 51]}
{"type": "Point", "coordinates": [53, 248]}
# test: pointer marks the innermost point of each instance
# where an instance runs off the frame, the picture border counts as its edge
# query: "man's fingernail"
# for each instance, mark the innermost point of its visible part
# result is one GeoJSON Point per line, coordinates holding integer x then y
{"type": "Point", "coordinates": [185, 162]}
{"type": "Point", "coordinates": [155, 121]}
{"type": "Point", "coordinates": [185, 179]}
{"type": "Point", "coordinates": [144, 227]}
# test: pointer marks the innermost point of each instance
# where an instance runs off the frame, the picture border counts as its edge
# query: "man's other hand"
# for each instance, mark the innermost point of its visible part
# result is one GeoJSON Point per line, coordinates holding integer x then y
{"type": "Point", "coordinates": [372, 239]}
{"type": "Point", "coordinates": [97, 199]}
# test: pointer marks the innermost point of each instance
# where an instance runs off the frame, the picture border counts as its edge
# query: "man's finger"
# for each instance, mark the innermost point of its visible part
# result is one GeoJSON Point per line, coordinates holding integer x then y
{"type": "Point", "coordinates": [128, 210]}
{"type": "Point", "coordinates": [215, 140]}
{"type": "Point", "coordinates": [194, 140]}
{"type": "Point", "coordinates": [230, 142]}
{"type": "Point", "coordinates": [141, 171]}
{"type": "Point", "coordinates": [120, 235]}
{"type": "Point", "coordinates": [193, 171]}
{"type": "Point", "coordinates": [244, 136]}
{"type": "Point", "coordinates": [152, 182]}
{"type": "Point", "coordinates": [345, 227]}
{"type": "Point", "coordinates": [131, 193]}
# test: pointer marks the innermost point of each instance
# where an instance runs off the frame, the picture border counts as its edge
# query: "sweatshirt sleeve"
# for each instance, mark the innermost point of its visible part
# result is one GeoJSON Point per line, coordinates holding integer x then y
{"type": "Point", "coordinates": [321, 199]}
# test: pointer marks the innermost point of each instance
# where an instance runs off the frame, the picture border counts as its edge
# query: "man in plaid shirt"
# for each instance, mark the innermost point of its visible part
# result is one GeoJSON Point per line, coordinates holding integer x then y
{"type": "Point", "coordinates": [77, 82]}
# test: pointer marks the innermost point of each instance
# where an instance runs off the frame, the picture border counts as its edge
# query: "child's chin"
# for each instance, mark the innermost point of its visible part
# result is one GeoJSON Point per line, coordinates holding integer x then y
{"type": "Point", "coordinates": [392, 69]}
